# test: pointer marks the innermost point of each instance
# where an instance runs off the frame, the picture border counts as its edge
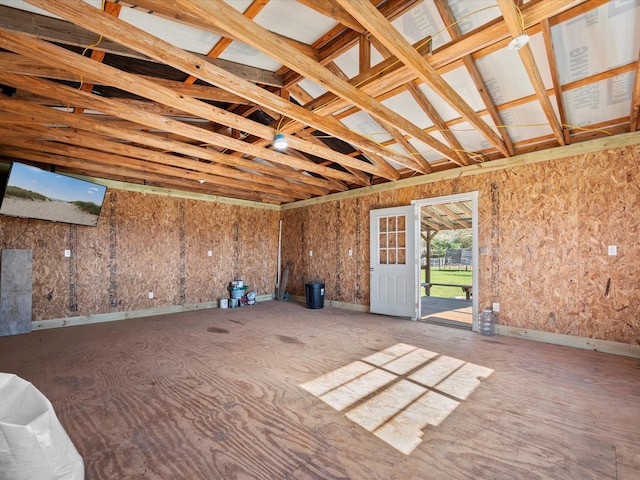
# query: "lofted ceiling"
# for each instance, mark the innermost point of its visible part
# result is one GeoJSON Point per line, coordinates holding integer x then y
{"type": "Point", "coordinates": [189, 94]}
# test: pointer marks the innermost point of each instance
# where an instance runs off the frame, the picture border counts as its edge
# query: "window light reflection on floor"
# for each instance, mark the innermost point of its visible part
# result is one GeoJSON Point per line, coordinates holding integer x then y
{"type": "Point", "coordinates": [397, 392]}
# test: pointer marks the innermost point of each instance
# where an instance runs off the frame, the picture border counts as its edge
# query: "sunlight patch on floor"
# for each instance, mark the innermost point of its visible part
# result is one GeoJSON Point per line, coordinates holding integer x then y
{"type": "Point", "coordinates": [399, 391]}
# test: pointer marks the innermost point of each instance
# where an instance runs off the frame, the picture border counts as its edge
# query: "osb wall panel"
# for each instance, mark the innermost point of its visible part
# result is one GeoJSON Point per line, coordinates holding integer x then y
{"type": "Point", "coordinates": [204, 275]}
{"type": "Point", "coordinates": [256, 251]}
{"type": "Point", "coordinates": [539, 229]}
{"type": "Point", "coordinates": [545, 228]}
{"type": "Point", "coordinates": [88, 286]}
{"type": "Point", "coordinates": [146, 243]}
{"type": "Point", "coordinates": [51, 270]}
{"type": "Point", "coordinates": [323, 239]}
{"type": "Point", "coordinates": [311, 244]}
{"type": "Point", "coordinates": [350, 258]}
{"type": "Point", "coordinates": [243, 243]}
{"type": "Point", "coordinates": [148, 250]}
{"type": "Point", "coordinates": [292, 247]}
{"type": "Point", "coordinates": [609, 211]}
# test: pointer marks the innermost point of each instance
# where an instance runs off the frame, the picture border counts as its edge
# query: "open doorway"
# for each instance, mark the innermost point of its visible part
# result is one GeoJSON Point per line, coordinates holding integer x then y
{"type": "Point", "coordinates": [448, 260]}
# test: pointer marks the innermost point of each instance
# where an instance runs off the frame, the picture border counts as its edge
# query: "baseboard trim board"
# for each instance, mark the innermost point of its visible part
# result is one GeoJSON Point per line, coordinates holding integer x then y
{"type": "Point", "coordinates": [333, 303]}
{"type": "Point", "coordinates": [349, 306]}
{"type": "Point", "coordinates": [585, 343]}
{"type": "Point", "coordinates": [596, 345]}
{"type": "Point", "coordinates": [605, 346]}
{"type": "Point", "coordinates": [117, 316]}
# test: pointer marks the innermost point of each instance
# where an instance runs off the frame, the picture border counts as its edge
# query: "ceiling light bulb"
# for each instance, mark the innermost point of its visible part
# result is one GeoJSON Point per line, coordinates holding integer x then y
{"type": "Point", "coordinates": [518, 42]}
{"type": "Point", "coordinates": [201, 180]}
{"type": "Point", "coordinates": [279, 142]}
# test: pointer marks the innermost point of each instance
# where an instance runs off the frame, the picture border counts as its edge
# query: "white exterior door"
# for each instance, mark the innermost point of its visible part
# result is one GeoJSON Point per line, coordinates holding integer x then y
{"type": "Point", "coordinates": [394, 289]}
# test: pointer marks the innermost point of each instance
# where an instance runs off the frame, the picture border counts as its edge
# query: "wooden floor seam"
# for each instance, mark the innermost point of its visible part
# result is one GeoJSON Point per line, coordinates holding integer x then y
{"type": "Point", "coordinates": [217, 394]}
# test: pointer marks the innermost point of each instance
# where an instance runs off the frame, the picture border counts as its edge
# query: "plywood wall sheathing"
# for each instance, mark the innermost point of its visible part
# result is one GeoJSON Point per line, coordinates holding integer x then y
{"type": "Point", "coordinates": [545, 226]}
{"type": "Point", "coordinates": [553, 274]}
{"type": "Point", "coordinates": [146, 243]}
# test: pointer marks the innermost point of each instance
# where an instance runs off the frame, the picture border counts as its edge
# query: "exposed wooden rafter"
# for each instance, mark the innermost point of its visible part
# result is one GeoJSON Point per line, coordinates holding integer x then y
{"type": "Point", "coordinates": [76, 10]}
{"type": "Point", "coordinates": [223, 16]}
{"type": "Point", "coordinates": [89, 89]}
{"type": "Point", "coordinates": [469, 63]}
{"type": "Point", "coordinates": [380, 27]}
{"type": "Point", "coordinates": [84, 66]}
{"type": "Point", "coordinates": [515, 22]}
{"type": "Point", "coordinates": [65, 33]}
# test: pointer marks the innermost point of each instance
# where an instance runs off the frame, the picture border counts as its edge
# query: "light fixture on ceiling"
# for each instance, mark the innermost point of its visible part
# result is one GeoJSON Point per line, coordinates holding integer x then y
{"type": "Point", "coordinates": [279, 142]}
{"type": "Point", "coordinates": [518, 42]}
{"type": "Point", "coordinates": [201, 180]}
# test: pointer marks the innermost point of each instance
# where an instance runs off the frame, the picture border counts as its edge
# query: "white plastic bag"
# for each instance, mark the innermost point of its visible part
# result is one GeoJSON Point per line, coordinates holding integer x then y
{"type": "Point", "coordinates": [33, 443]}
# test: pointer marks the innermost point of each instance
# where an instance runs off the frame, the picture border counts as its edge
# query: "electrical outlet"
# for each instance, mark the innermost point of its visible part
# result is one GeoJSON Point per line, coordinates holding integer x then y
{"type": "Point", "coordinates": [209, 253]}
{"type": "Point", "coordinates": [612, 250]}
{"type": "Point", "coordinates": [67, 253]}
{"type": "Point", "coordinates": [150, 294]}
{"type": "Point", "coordinates": [311, 253]}
{"type": "Point", "coordinates": [484, 250]}
{"type": "Point", "coordinates": [496, 307]}
{"type": "Point", "coordinates": [350, 252]}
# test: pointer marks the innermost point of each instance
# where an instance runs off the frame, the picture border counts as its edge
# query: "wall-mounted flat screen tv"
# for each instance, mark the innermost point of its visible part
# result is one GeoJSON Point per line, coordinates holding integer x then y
{"type": "Point", "coordinates": [31, 192]}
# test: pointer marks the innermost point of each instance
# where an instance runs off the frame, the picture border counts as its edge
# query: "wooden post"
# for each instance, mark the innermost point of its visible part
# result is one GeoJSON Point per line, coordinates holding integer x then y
{"type": "Point", "coordinates": [427, 272]}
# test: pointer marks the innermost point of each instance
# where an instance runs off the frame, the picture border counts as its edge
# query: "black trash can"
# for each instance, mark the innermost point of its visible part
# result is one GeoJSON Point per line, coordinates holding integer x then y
{"type": "Point", "coordinates": [315, 294]}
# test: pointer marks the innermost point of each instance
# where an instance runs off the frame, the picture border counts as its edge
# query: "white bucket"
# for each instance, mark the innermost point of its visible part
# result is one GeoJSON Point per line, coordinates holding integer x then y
{"type": "Point", "coordinates": [224, 302]}
{"type": "Point", "coordinates": [234, 302]}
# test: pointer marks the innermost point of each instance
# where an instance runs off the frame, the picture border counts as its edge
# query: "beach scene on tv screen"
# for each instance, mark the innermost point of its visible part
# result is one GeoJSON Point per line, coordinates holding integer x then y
{"type": "Point", "coordinates": [35, 193]}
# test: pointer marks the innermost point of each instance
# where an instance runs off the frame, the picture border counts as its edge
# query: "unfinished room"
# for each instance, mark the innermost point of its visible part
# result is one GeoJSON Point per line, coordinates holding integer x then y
{"type": "Point", "coordinates": [319, 239]}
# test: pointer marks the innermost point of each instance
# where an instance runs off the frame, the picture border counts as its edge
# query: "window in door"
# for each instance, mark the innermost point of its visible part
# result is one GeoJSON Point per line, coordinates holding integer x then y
{"type": "Point", "coordinates": [393, 240]}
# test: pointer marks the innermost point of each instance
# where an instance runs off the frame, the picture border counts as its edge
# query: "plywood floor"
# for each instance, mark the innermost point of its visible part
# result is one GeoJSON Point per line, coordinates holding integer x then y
{"type": "Point", "coordinates": [217, 394]}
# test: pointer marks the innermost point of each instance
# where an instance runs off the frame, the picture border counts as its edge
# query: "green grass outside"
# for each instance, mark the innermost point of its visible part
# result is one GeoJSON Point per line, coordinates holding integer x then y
{"type": "Point", "coordinates": [88, 207]}
{"type": "Point", "coordinates": [18, 192]}
{"type": "Point", "coordinates": [461, 277]}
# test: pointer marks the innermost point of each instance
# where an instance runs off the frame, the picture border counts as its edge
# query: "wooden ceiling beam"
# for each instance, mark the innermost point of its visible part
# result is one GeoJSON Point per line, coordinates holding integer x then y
{"type": "Point", "coordinates": [97, 55]}
{"type": "Point", "coordinates": [183, 166]}
{"type": "Point", "coordinates": [252, 10]}
{"type": "Point", "coordinates": [165, 9]}
{"type": "Point", "coordinates": [107, 158]}
{"type": "Point", "coordinates": [440, 125]}
{"type": "Point", "coordinates": [364, 54]}
{"type": "Point", "coordinates": [421, 165]}
{"type": "Point", "coordinates": [134, 175]}
{"type": "Point", "coordinates": [115, 108]}
{"type": "Point", "coordinates": [309, 137]}
{"type": "Point", "coordinates": [78, 11]}
{"type": "Point", "coordinates": [381, 28]}
{"type": "Point", "coordinates": [65, 33]}
{"type": "Point", "coordinates": [14, 63]}
{"type": "Point", "coordinates": [224, 16]}
{"type": "Point", "coordinates": [391, 9]}
{"type": "Point", "coordinates": [338, 40]}
{"type": "Point", "coordinates": [496, 31]}
{"type": "Point", "coordinates": [469, 63]}
{"type": "Point", "coordinates": [376, 81]}
{"type": "Point", "coordinates": [82, 65]}
{"type": "Point", "coordinates": [555, 77]}
{"type": "Point", "coordinates": [329, 8]}
{"type": "Point", "coordinates": [515, 24]}
{"type": "Point", "coordinates": [390, 74]}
